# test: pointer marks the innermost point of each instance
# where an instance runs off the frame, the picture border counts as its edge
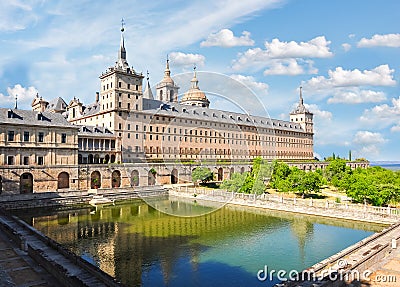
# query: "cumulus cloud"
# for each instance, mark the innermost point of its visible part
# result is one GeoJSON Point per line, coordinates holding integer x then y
{"type": "Point", "coordinates": [379, 76]}
{"type": "Point", "coordinates": [346, 86]}
{"type": "Point", "coordinates": [251, 83]}
{"type": "Point", "coordinates": [186, 60]}
{"type": "Point", "coordinates": [384, 115]}
{"type": "Point", "coordinates": [387, 40]}
{"type": "Point", "coordinates": [368, 144]}
{"type": "Point", "coordinates": [284, 58]}
{"type": "Point", "coordinates": [318, 113]}
{"type": "Point", "coordinates": [24, 96]}
{"type": "Point", "coordinates": [225, 38]}
{"type": "Point", "coordinates": [356, 96]}
{"type": "Point", "coordinates": [346, 47]}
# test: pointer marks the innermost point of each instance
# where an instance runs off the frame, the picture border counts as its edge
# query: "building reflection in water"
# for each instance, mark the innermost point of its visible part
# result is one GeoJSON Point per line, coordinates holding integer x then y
{"type": "Point", "coordinates": [127, 240]}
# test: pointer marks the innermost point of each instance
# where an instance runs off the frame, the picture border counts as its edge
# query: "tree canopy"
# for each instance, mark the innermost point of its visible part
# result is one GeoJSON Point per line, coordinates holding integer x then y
{"type": "Point", "coordinates": [202, 174]}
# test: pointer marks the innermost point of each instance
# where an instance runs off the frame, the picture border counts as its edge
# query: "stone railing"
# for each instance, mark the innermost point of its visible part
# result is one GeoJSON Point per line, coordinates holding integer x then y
{"type": "Point", "coordinates": [329, 208]}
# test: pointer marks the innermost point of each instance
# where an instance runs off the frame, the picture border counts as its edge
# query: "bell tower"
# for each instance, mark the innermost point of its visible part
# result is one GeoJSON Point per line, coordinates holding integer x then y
{"type": "Point", "coordinates": [302, 115]}
{"type": "Point", "coordinates": [167, 90]}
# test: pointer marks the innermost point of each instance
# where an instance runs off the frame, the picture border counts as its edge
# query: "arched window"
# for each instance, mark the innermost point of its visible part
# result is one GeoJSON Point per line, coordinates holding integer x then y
{"type": "Point", "coordinates": [95, 180]}
{"type": "Point", "coordinates": [116, 178]}
{"type": "Point", "coordinates": [171, 96]}
{"type": "Point", "coordinates": [135, 178]}
{"type": "Point", "coordinates": [63, 180]}
{"type": "Point", "coordinates": [174, 176]}
{"type": "Point", "coordinates": [26, 183]}
{"type": "Point", "coordinates": [161, 95]}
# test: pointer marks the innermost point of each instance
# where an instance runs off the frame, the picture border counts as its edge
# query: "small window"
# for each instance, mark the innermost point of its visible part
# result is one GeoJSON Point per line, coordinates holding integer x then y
{"type": "Point", "coordinates": [40, 160]}
{"type": "Point", "coordinates": [129, 106]}
{"type": "Point", "coordinates": [129, 86]}
{"type": "Point", "coordinates": [119, 84]}
{"type": "Point", "coordinates": [119, 126]}
{"type": "Point", "coordinates": [63, 138]}
{"type": "Point", "coordinates": [26, 160]}
{"type": "Point", "coordinates": [11, 136]}
{"type": "Point", "coordinates": [26, 136]}
{"type": "Point", "coordinates": [40, 137]}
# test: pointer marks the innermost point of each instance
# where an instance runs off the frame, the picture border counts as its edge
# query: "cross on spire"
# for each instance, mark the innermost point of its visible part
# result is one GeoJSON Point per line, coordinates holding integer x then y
{"type": "Point", "coordinates": [122, 25]}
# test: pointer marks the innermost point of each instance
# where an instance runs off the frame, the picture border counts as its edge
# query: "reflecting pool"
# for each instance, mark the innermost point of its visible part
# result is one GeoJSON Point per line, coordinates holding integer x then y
{"type": "Point", "coordinates": [141, 246]}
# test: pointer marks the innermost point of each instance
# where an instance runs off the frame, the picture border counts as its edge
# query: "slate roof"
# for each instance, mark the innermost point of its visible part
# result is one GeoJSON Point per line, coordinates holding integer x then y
{"type": "Point", "coordinates": [32, 118]}
{"type": "Point", "coordinates": [159, 108]}
{"type": "Point", "coordinates": [57, 105]}
{"type": "Point", "coordinates": [92, 131]}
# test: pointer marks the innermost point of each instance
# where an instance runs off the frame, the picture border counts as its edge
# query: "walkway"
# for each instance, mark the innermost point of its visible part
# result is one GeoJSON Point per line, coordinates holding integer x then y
{"type": "Point", "coordinates": [18, 269]}
{"type": "Point", "coordinates": [387, 272]}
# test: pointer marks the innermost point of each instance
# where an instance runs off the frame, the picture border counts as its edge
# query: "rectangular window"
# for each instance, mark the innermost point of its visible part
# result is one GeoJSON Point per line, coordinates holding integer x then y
{"type": "Point", "coordinates": [40, 160]}
{"type": "Point", "coordinates": [40, 137]}
{"type": "Point", "coordinates": [129, 86]}
{"type": "Point", "coordinates": [129, 135]}
{"type": "Point", "coordinates": [129, 106]}
{"type": "Point", "coordinates": [137, 136]}
{"type": "Point", "coordinates": [11, 136]}
{"type": "Point", "coordinates": [10, 160]}
{"type": "Point", "coordinates": [26, 160]}
{"type": "Point", "coordinates": [63, 138]}
{"type": "Point", "coordinates": [119, 84]}
{"type": "Point", "coordinates": [120, 126]}
{"type": "Point", "coordinates": [119, 104]}
{"type": "Point", "coordinates": [129, 127]}
{"type": "Point", "coordinates": [26, 136]}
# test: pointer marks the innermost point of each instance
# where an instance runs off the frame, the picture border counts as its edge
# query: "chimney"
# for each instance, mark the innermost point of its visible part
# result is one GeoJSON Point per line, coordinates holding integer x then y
{"type": "Point", "coordinates": [97, 97]}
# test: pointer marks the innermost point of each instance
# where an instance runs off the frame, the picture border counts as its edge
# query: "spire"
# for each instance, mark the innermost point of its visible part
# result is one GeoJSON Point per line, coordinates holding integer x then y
{"type": "Point", "coordinates": [122, 51]}
{"type": "Point", "coordinates": [301, 102]}
{"type": "Point", "coordinates": [16, 102]}
{"type": "Point", "coordinates": [148, 94]}
{"type": "Point", "coordinates": [122, 63]}
{"type": "Point", "coordinates": [167, 72]}
{"type": "Point", "coordinates": [194, 81]}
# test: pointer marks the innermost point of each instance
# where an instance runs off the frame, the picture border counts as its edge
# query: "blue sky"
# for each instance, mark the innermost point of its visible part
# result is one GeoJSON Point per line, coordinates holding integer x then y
{"type": "Point", "coordinates": [345, 54]}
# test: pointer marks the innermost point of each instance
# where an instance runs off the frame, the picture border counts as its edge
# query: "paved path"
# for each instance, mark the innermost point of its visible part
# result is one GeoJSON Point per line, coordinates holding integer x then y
{"type": "Point", "coordinates": [18, 269]}
{"type": "Point", "coordinates": [387, 272]}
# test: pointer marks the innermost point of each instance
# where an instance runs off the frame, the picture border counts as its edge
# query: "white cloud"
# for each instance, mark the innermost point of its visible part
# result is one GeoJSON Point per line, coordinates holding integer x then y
{"type": "Point", "coordinates": [318, 113]}
{"type": "Point", "coordinates": [186, 60]}
{"type": "Point", "coordinates": [250, 82]}
{"type": "Point", "coordinates": [225, 38]}
{"type": "Point", "coordinates": [368, 138]}
{"type": "Point", "coordinates": [356, 96]}
{"type": "Point", "coordinates": [284, 58]}
{"type": "Point", "coordinates": [284, 67]}
{"type": "Point", "coordinates": [346, 47]}
{"type": "Point", "coordinates": [315, 48]}
{"type": "Point", "coordinates": [24, 96]}
{"type": "Point", "coordinates": [387, 40]}
{"type": "Point", "coordinates": [368, 144]}
{"type": "Point", "coordinates": [379, 76]}
{"type": "Point", "coordinates": [383, 115]}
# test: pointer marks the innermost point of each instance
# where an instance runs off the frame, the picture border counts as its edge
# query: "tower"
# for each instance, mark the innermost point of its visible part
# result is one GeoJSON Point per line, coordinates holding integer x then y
{"type": "Point", "coordinates": [120, 85]}
{"type": "Point", "coordinates": [302, 115]}
{"type": "Point", "coordinates": [167, 90]}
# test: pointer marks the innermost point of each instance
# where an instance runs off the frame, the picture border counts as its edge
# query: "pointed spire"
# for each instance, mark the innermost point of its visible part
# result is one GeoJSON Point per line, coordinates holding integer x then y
{"type": "Point", "coordinates": [167, 71]}
{"type": "Point", "coordinates": [122, 51]}
{"type": "Point", "coordinates": [194, 81]}
{"type": "Point", "coordinates": [16, 102]}
{"type": "Point", "coordinates": [301, 102]}
{"type": "Point", "coordinates": [148, 94]}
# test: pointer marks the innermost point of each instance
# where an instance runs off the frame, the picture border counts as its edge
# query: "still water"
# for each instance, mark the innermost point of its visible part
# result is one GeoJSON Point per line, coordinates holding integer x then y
{"type": "Point", "coordinates": [142, 246]}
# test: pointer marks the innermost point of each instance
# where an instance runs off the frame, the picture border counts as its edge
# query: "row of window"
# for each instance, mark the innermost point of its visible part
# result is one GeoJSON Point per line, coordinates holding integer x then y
{"type": "Point", "coordinates": [128, 86]}
{"type": "Point", "coordinates": [11, 136]}
{"type": "Point", "coordinates": [25, 160]}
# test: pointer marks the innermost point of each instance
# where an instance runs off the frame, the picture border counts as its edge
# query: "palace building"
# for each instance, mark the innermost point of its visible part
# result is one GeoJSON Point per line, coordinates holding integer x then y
{"type": "Point", "coordinates": [166, 129]}
{"type": "Point", "coordinates": [54, 145]}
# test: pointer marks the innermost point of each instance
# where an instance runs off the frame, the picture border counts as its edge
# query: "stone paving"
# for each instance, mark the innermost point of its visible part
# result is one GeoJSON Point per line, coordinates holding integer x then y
{"type": "Point", "coordinates": [387, 272]}
{"type": "Point", "coordinates": [18, 269]}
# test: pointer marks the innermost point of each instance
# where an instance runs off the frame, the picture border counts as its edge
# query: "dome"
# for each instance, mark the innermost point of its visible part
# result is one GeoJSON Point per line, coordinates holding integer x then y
{"type": "Point", "coordinates": [167, 75]}
{"type": "Point", "coordinates": [194, 96]}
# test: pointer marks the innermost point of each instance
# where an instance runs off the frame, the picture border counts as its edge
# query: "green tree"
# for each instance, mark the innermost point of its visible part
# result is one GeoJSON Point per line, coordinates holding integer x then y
{"type": "Point", "coordinates": [236, 182]}
{"type": "Point", "coordinates": [202, 174]}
